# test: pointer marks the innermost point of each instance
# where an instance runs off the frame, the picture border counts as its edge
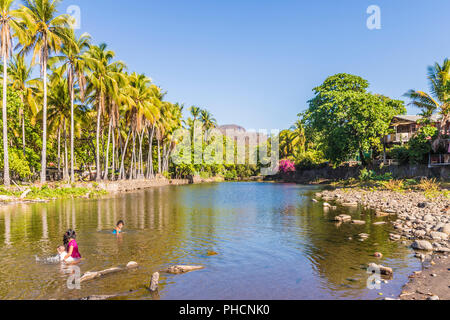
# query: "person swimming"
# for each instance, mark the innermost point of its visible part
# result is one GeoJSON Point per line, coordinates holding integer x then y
{"type": "Point", "coordinates": [119, 227]}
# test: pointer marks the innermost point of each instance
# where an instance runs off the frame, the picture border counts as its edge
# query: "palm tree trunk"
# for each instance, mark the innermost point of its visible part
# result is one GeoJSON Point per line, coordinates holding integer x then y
{"type": "Point", "coordinates": [133, 155]}
{"type": "Point", "coordinates": [113, 166]}
{"type": "Point", "coordinates": [159, 157]}
{"type": "Point", "coordinates": [97, 156]}
{"type": "Point", "coordinates": [150, 153]}
{"type": "Point", "coordinates": [105, 176]}
{"type": "Point", "coordinates": [122, 169]}
{"type": "Point", "coordinates": [72, 155]}
{"type": "Point", "coordinates": [44, 122]}
{"type": "Point", "coordinates": [59, 152]}
{"type": "Point", "coordinates": [23, 126]}
{"type": "Point", "coordinates": [66, 160]}
{"type": "Point", "coordinates": [6, 177]}
{"type": "Point", "coordinates": [141, 169]}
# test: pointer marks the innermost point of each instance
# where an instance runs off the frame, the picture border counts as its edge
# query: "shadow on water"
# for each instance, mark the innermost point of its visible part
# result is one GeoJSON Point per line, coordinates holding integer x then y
{"type": "Point", "coordinates": [256, 241]}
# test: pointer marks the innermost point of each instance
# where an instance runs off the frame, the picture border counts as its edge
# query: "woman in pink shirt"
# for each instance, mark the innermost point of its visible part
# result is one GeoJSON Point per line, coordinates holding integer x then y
{"type": "Point", "coordinates": [71, 245]}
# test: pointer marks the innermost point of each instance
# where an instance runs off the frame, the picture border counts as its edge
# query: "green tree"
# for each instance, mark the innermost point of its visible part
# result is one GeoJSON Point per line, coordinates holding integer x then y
{"type": "Point", "coordinates": [349, 119]}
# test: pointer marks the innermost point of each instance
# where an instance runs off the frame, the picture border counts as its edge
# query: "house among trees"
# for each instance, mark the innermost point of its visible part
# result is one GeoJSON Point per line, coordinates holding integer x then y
{"type": "Point", "coordinates": [406, 126]}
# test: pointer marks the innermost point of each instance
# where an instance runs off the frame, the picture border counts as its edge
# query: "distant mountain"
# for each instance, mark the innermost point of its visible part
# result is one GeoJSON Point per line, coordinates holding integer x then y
{"type": "Point", "coordinates": [233, 130]}
{"type": "Point", "coordinates": [231, 127]}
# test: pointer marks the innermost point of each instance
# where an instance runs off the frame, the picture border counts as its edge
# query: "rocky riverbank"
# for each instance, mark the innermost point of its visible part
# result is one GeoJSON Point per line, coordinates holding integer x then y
{"type": "Point", "coordinates": [422, 222]}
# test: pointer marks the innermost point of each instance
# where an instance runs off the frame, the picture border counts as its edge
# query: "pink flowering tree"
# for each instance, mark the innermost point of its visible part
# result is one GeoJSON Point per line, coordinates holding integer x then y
{"type": "Point", "coordinates": [286, 166]}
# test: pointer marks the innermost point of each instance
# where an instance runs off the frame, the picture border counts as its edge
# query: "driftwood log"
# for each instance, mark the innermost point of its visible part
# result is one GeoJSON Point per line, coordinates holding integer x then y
{"type": "Point", "coordinates": [97, 298]}
{"type": "Point", "coordinates": [96, 274]}
{"type": "Point", "coordinates": [182, 269]}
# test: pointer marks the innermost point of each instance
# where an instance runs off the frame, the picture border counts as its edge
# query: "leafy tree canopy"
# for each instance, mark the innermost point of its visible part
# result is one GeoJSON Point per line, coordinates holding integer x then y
{"type": "Point", "coordinates": [349, 119]}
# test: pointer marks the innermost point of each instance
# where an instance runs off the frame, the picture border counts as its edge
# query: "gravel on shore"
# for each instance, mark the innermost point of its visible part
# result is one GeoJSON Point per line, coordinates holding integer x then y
{"type": "Point", "coordinates": [422, 220]}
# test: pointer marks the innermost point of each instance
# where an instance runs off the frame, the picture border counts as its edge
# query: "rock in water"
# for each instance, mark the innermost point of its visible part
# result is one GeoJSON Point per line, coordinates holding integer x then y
{"type": "Point", "coordinates": [382, 269]}
{"type": "Point", "coordinates": [132, 265]}
{"type": "Point", "coordinates": [422, 245]}
{"type": "Point", "coordinates": [360, 222]}
{"type": "Point", "coordinates": [343, 218]}
{"type": "Point", "coordinates": [350, 204]}
{"type": "Point", "coordinates": [154, 282]}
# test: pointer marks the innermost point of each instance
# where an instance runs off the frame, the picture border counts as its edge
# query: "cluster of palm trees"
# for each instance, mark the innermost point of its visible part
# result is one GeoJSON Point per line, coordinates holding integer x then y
{"type": "Point", "coordinates": [81, 84]}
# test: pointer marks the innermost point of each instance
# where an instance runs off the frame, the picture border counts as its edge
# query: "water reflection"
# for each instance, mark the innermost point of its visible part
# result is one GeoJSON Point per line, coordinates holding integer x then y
{"type": "Point", "coordinates": [272, 243]}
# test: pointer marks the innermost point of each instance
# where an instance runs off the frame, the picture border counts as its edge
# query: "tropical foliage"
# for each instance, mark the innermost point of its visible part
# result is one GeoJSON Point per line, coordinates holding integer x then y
{"type": "Point", "coordinates": [86, 116]}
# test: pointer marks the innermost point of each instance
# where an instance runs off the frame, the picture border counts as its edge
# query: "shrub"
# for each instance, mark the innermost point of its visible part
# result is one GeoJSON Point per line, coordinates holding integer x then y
{"type": "Point", "coordinates": [393, 185]}
{"type": "Point", "coordinates": [286, 166]}
{"type": "Point", "coordinates": [429, 185]}
{"type": "Point", "coordinates": [311, 159]}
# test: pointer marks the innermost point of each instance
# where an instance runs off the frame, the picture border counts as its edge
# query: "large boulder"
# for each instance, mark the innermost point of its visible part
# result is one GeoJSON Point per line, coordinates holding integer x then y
{"type": "Point", "coordinates": [422, 245]}
{"type": "Point", "coordinates": [438, 235]}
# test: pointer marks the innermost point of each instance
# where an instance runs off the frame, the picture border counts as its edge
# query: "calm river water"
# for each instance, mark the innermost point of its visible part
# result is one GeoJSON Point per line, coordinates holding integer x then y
{"type": "Point", "coordinates": [272, 242]}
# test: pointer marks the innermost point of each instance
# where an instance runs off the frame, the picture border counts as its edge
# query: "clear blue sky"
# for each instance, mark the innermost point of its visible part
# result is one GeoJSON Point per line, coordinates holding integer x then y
{"type": "Point", "coordinates": [255, 62]}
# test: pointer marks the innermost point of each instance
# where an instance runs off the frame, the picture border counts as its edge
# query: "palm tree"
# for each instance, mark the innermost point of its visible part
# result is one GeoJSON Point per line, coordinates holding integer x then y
{"type": "Point", "coordinates": [74, 65]}
{"type": "Point", "coordinates": [47, 32]}
{"type": "Point", "coordinates": [20, 73]}
{"type": "Point", "coordinates": [103, 82]}
{"type": "Point", "coordinates": [195, 112]}
{"type": "Point", "coordinates": [8, 22]}
{"type": "Point", "coordinates": [438, 100]}
{"type": "Point", "coordinates": [145, 110]}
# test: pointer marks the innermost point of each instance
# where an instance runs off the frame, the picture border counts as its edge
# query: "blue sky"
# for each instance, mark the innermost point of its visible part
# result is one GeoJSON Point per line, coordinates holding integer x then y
{"type": "Point", "coordinates": [255, 62]}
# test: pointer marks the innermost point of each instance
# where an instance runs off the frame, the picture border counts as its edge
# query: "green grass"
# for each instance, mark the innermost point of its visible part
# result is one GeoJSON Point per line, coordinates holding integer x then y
{"type": "Point", "coordinates": [54, 192]}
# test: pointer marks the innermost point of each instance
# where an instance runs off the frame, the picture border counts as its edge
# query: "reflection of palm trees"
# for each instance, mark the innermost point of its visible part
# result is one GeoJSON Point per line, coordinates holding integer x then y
{"type": "Point", "coordinates": [44, 224]}
{"type": "Point", "coordinates": [8, 228]}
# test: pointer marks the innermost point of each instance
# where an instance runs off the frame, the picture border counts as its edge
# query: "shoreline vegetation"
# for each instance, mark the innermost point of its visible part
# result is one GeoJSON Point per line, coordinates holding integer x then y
{"type": "Point", "coordinates": [53, 191]}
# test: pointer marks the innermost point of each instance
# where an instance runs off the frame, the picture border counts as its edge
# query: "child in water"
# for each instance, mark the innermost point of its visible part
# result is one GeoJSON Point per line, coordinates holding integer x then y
{"type": "Point", "coordinates": [119, 227]}
{"type": "Point", "coordinates": [71, 246]}
{"type": "Point", "coordinates": [62, 253]}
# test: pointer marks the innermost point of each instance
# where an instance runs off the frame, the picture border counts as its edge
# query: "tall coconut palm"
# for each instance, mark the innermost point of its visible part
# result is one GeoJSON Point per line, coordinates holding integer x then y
{"type": "Point", "coordinates": [47, 32]}
{"type": "Point", "coordinates": [103, 82]}
{"type": "Point", "coordinates": [439, 97]}
{"type": "Point", "coordinates": [20, 74]}
{"type": "Point", "coordinates": [195, 112]}
{"type": "Point", "coordinates": [146, 108]}
{"type": "Point", "coordinates": [74, 65]}
{"type": "Point", "coordinates": [9, 24]}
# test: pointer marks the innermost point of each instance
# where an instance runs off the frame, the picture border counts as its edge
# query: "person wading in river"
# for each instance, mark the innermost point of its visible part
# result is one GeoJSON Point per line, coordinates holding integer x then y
{"type": "Point", "coordinates": [71, 246]}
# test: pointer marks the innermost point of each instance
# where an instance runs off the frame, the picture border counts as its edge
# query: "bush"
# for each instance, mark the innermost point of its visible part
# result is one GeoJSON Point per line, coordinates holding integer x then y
{"type": "Point", "coordinates": [393, 185]}
{"type": "Point", "coordinates": [230, 174]}
{"type": "Point", "coordinates": [286, 166]}
{"type": "Point", "coordinates": [311, 159]}
{"type": "Point", "coordinates": [370, 175]}
{"type": "Point", "coordinates": [401, 154]}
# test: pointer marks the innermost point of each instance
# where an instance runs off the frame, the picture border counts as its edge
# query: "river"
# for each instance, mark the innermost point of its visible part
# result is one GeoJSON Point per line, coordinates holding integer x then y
{"type": "Point", "coordinates": [271, 240]}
